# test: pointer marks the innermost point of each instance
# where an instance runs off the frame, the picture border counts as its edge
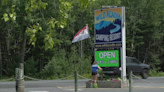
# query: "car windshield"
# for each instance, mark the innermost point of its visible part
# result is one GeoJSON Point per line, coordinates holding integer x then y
{"type": "Point", "coordinates": [135, 61]}
{"type": "Point", "coordinates": [132, 60]}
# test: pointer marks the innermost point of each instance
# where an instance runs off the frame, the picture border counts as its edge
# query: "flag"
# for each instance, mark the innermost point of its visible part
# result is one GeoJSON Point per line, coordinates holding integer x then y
{"type": "Point", "coordinates": [81, 35]}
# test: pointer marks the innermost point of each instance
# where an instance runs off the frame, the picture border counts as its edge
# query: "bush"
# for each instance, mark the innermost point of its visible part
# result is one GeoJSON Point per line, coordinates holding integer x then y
{"type": "Point", "coordinates": [10, 68]}
{"type": "Point", "coordinates": [62, 66]}
{"type": "Point", "coordinates": [30, 67]}
{"type": "Point", "coordinates": [155, 72]}
{"type": "Point", "coordinates": [59, 66]}
{"type": "Point", "coordinates": [87, 75]}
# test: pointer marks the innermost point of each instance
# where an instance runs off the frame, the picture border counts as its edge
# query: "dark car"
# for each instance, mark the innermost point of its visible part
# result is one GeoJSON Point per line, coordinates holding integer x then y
{"type": "Point", "coordinates": [132, 64]}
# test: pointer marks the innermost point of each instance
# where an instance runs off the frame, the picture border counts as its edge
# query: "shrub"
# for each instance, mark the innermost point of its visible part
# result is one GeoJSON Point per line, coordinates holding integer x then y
{"type": "Point", "coordinates": [155, 72]}
{"type": "Point", "coordinates": [87, 75]}
{"type": "Point", "coordinates": [30, 67]}
{"type": "Point", "coordinates": [63, 66]}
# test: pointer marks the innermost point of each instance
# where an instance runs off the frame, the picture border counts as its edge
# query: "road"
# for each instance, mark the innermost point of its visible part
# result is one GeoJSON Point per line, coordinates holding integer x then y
{"type": "Point", "coordinates": [152, 84]}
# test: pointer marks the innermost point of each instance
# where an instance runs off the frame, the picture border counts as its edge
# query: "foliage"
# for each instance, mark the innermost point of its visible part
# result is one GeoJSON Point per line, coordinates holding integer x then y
{"type": "Point", "coordinates": [62, 67]}
{"type": "Point", "coordinates": [87, 75]}
{"type": "Point", "coordinates": [50, 26]}
{"type": "Point", "coordinates": [30, 67]}
{"type": "Point", "coordinates": [114, 78]}
{"type": "Point", "coordinates": [155, 72]}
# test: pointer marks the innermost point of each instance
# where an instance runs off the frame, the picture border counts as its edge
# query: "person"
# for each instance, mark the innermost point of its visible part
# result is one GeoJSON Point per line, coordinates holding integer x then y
{"type": "Point", "coordinates": [95, 67]}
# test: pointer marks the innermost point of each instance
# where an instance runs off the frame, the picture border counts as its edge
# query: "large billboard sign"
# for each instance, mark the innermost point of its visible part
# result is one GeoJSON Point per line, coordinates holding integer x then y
{"type": "Point", "coordinates": [107, 58]}
{"type": "Point", "coordinates": [107, 28]}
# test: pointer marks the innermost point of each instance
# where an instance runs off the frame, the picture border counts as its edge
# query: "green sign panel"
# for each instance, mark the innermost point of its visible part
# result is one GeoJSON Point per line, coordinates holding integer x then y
{"type": "Point", "coordinates": [108, 58]}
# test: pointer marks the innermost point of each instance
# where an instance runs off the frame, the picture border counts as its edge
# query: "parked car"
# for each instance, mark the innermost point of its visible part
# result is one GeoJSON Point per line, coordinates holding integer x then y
{"type": "Point", "coordinates": [132, 64]}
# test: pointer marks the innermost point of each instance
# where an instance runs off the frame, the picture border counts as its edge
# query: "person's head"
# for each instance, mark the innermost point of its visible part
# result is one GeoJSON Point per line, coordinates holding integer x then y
{"type": "Point", "coordinates": [94, 63]}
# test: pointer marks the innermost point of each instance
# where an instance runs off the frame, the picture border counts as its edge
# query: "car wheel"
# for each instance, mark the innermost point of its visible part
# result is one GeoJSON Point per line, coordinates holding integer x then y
{"type": "Point", "coordinates": [145, 74]}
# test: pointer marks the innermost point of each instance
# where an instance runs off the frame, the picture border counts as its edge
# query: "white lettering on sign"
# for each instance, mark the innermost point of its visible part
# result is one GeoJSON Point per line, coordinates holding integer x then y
{"type": "Point", "coordinates": [113, 61]}
{"type": "Point", "coordinates": [115, 36]}
{"type": "Point", "coordinates": [107, 38]}
{"type": "Point", "coordinates": [107, 55]}
{"type": "Point", "coordinates": [102, 37]}
{"type": "Point", "coordinates": [99, 62]}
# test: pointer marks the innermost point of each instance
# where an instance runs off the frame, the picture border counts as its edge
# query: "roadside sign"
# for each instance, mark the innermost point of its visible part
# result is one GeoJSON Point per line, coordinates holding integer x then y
{"type": "Point", "coordinates": [107, 28]}
{"type": "Point", "coordinates": [107, 58]}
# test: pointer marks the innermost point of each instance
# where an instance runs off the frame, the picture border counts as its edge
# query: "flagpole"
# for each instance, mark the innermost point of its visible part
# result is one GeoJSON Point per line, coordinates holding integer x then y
{"type": "Point", "coordinates": [90, 38]}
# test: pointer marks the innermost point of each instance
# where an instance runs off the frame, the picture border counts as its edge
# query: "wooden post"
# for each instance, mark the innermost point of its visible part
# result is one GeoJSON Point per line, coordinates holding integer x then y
{"type": "Point", "coordinates": [16, 73]}
{"type": "Point", "coordinates": [76, 85]}
{"type": "Point", "coordinates": [21, 66]}
{"type": "Point", "coordinates": [20, 73]}
{"type": "Point", "coordinates": [130, 81]}
{"type": "Point", "coordinates": [19, 80]}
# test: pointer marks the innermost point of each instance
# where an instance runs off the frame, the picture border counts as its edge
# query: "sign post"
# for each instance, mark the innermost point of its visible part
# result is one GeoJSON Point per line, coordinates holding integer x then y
{"type": "Point", "coordinates": [123, 48]}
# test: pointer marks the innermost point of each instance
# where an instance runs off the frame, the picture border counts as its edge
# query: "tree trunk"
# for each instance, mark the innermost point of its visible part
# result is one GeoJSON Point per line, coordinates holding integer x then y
{"type": "Point", "coordinates": [0, 60]}
{"type": "Point", "coordinates": [8, 42]}
{"type": "Point", "coordinates": [23, 46]}
{"type": "Point", "coordinates": [41, 62]}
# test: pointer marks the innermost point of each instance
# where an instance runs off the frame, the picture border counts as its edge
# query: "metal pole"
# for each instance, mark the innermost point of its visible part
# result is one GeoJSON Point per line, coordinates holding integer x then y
{"type": "Point", "coordinates": [130, 81]}
{"type": "Point", "coordinates": [79, 54]}
{"type": "Point", "coordinates": [79, 51]}
{"type": "Point", "coordinates": [81, 48]}
{"type": "Point", "coordinates": [76, 86]}
{"type": "Point", "coordinates": [90, 39]}
{"type": "Point", "coordinates": [123, 48]}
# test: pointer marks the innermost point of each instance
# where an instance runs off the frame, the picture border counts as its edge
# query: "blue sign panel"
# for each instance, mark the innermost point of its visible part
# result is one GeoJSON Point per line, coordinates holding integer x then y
{"type": "Point", "coordinates": [107, 28]}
